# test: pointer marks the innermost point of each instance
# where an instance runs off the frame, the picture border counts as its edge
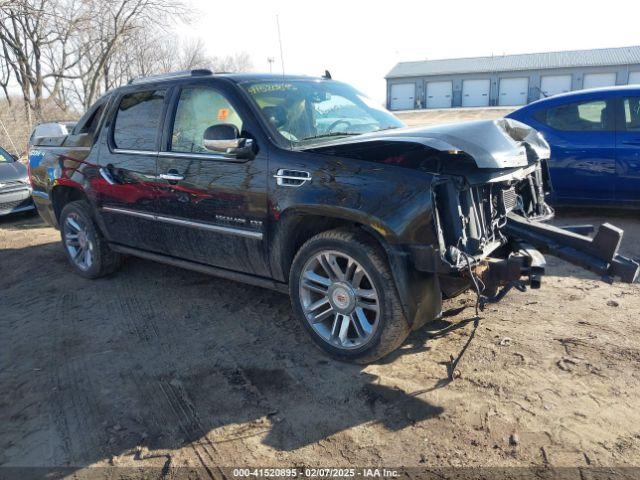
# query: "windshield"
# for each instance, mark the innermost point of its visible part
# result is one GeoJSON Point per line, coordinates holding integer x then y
{"type": "Point", "coordinates": [310, 111]}
{"type": "Point", "coordinates": [4, 156]}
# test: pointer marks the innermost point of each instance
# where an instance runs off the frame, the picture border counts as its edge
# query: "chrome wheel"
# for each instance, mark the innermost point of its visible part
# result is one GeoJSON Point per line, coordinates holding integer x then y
{"type": "Point", "coordinates": [339, 300]}
{"type": "Point", "coordinates": [77, 241]}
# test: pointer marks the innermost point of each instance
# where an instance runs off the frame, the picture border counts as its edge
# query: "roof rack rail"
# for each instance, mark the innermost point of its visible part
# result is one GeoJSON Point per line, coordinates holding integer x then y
{"type": "Point", "coordinates": [200, 72]}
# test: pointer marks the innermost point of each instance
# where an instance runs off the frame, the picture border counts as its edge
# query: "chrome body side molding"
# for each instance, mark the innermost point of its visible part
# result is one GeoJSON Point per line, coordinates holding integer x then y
{"type": "Point", "coordinates": [188, 223]}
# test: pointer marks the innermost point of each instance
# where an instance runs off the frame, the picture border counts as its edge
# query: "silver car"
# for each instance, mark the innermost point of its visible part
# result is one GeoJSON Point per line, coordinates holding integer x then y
{"type": "Point", "coordinates": [15, 188]}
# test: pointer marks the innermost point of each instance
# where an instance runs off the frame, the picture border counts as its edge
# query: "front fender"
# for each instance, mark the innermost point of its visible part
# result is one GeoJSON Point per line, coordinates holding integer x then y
{"type": "Point", "coordinates": [387, 200]}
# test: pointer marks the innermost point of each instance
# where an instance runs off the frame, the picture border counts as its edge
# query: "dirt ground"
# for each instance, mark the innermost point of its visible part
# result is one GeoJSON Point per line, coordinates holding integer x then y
{"type": "Point", "coordinates": [161, 367]}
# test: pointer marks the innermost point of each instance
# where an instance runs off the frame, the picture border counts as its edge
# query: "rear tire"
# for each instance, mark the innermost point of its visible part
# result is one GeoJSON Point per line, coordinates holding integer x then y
{"type": "Point", "coordinates": [343, 293]}
{"type": "Point", "coordinates": [87, 250]}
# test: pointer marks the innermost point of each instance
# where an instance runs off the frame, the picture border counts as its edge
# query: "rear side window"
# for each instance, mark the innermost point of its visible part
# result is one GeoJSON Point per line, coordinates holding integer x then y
{"type": "Point", "coordinates": [91, 123]}
{"type": "Point", "coordinates": [632, 114]}
{"type": "Point", "coordinates": [589, 116]}
{"type": "Point", "coordinates": [138, 120]}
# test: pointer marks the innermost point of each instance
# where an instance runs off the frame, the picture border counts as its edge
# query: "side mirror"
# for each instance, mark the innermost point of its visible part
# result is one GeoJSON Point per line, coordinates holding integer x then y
{"type": "Point", "coordinates": [225, 138]}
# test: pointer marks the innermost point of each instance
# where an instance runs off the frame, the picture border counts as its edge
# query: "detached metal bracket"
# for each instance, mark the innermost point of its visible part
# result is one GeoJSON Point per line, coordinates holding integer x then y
{"type": "Point", "coordinates": [599, 255]}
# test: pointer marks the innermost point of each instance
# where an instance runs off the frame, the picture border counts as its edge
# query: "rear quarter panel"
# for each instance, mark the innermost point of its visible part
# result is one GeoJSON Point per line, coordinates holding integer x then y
{"type": "Point", "coordinates": [60, 162]}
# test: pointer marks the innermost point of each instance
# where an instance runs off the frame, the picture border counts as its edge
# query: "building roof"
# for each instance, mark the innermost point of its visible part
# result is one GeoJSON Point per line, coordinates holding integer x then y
{"type": "Point", "coordinates": [527, 61]}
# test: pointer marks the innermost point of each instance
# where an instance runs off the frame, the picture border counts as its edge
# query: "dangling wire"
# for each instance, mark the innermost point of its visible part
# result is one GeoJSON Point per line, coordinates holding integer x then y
{"type": "Point", "coordinates": [475, 279]}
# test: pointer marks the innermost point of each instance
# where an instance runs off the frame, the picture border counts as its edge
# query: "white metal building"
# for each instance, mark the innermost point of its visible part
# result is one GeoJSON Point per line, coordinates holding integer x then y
{"type": "Point", "coordinates": [507, 80]}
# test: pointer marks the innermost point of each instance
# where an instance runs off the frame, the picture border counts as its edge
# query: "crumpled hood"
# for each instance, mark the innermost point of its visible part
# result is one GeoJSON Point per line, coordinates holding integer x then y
{"type": "Point", "coordinates": [502, 143]}
{"type": "Point", "coordinates": [12, 171]}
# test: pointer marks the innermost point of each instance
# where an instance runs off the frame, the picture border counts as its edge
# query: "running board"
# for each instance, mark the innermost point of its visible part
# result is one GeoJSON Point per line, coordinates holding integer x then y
{"type": "Point", "coordinates": [599, 255]}
{"type": "Point", "coordinates": [206, 269]}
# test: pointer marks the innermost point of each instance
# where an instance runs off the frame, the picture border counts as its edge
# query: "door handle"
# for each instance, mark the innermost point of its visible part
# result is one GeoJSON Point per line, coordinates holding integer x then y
{"type": "Point", "coordinates": [632, 142]}
{"type": "Point", "coordinates": [172, 176]}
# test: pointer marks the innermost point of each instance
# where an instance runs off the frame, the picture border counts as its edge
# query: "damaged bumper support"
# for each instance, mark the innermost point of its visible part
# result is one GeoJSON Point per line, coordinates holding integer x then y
{"type": "Point", "coordinates": [489, 205]}
{"type": "Point", "coordinates": [599, 255]}
{"type": "Point", "coordinates": [520, 265]}
{"type": "Point", "coordinates": [521, 262]}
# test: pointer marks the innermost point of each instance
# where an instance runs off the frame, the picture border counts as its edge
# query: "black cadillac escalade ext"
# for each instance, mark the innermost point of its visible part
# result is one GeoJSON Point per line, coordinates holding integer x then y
{"type": "Point", "coordinates": [306, 186]}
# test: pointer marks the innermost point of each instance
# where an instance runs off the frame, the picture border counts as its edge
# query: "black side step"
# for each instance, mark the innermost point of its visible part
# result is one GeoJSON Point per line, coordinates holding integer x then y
{"type": "Point", "coordinates": [599, 255]}
{"type": "Point", "coordinates": [206, 269]}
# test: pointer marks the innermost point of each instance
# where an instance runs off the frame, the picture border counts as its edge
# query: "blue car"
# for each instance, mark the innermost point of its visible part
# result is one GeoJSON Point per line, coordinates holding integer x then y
{"type": "Point", "coordinates": [595, 144]}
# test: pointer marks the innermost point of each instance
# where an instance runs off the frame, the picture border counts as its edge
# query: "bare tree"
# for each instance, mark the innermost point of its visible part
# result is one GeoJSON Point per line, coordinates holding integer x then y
{"type": "Point", "coordinates": [22, 46]}
{"type": "Point", "coordinates": [113, 25]}
{"type": "Point", "coordinates": [35, 36]}
{"type": "Point", "coordinates": [146, 54]}
{"type": "Point", "coordinates": [72, 51]}
{"type": "Point", "coordinates": [5, 73]}
{"type": "Point", "coordinates": [240, 62]}
{"type": "Point", "coordinates": [192, 54]}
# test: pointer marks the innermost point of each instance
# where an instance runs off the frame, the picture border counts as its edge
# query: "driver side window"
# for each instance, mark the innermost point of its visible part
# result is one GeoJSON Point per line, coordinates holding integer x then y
{"type": "Point", "coordinates": [198, 109]}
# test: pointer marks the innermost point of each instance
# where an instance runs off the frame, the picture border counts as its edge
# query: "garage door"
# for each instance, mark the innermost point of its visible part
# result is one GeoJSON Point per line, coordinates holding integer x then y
{"type": "Point", "coordinates": [475, 93]}
{"type": "Point", "coordinates": [595, 80]}
{"type": "Point", "coordinates": [513, 91]}
{"type": "Point", "coordinates": [402, 96]}
{"type": "Point", "coordinates": [634, 78]}
{"type": "Point", "coordinates": [554, 84]}
{"type": "Point", "coordinates": [439, 94]}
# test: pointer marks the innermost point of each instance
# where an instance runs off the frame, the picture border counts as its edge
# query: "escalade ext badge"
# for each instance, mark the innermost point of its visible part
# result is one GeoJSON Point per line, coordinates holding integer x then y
{"type": "Point", "coordinates": [388, 223]}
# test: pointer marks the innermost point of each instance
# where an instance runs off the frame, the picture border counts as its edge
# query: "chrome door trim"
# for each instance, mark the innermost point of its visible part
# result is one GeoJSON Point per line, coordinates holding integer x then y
{"type": "Point", "coordinates": [201, 156]}
{"type": "Point", "coordinates": [187, 223]}
{"type": "Point", "coordinates": [133, 213]}
{"type": "Point", "coordinates": [65, 147]}
{"type": "Point", "coordinates": [134, 152]}
{"type": "Point", "coordinates": [213, 228]}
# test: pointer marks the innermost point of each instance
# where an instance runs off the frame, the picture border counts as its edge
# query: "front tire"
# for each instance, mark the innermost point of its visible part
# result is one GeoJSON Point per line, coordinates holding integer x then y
{"type": "Point", "coordinates": [86, 248]}
{"type": "Point", "coordinates": [343, 293]}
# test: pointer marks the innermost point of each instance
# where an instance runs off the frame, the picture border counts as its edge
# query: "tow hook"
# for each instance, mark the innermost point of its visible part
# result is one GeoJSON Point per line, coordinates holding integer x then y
{"type": "Point", "coordinates": [534, 264]}
{"type": "Point", "coordinates": [517, 284]}
{"type": "Point", "coordinates": [523, 268]}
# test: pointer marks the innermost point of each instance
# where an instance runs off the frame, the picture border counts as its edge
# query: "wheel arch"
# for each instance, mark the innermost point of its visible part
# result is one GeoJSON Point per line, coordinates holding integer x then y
{"type": "Point", "coordinates": [297, 225]}
{"type": "Point", "coordinates": [63, 194]}
{"type": "Point", "coordinates": [419, 293]}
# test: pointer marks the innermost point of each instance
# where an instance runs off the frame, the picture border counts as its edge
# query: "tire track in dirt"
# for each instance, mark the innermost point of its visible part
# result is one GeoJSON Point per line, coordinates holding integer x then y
{"type": "Point", "coordinates": [73, 411]}
{"type": "Point", "coordinates": [303, 388]}
{"type": "Point", "coordinates": [168, 407]}
{"type": "Point", "coordinates": [171, 402]}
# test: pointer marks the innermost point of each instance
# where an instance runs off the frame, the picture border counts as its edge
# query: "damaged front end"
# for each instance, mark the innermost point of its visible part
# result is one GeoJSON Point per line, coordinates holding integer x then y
{"type": "Point", "coordinates": [489, 181]}
{"type": "Point", "coordinates": [488, 214]}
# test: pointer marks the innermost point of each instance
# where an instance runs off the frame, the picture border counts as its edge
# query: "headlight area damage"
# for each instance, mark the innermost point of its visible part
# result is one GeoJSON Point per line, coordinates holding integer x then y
{"type": "Point", "coordinates": [489, 209]}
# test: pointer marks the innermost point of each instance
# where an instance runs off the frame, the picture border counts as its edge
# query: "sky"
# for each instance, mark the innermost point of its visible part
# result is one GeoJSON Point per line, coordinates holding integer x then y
{"type": "Point", "coordinates": [360, 41]}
